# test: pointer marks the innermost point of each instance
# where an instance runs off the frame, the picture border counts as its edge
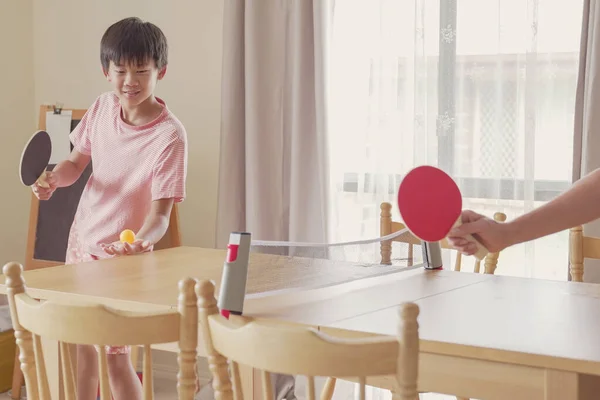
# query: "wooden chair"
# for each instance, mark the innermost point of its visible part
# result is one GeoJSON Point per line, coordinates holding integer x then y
{"type": "Point", "coordinates": [99, 325]}
{"type": "Point", "coordinates": [387, 226]}
{"type": "Point", "coordinates": [580, 248]}
{"type": "Point", "coordinates": [294, 350]}
{"type": "Point", "coordinates": [172, 238]}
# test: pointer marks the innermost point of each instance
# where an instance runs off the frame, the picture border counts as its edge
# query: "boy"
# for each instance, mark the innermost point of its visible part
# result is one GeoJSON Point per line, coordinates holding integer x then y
{"type": "Point", "coordinates": [138, 150]}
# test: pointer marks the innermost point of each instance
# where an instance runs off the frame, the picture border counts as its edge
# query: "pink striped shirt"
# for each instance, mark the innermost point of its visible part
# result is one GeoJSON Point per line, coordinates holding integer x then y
{"type": "Point", "coordinates": [132, 166]}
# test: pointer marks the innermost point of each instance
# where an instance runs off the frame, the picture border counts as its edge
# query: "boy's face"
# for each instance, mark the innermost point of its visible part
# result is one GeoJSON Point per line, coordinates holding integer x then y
{"type": "Point", "coordinates": [134, 84]}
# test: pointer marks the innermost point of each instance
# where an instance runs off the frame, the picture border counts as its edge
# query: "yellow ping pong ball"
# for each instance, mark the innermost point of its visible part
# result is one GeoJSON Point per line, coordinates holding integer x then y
{"type": "Point", "coordinates": [127, 236]}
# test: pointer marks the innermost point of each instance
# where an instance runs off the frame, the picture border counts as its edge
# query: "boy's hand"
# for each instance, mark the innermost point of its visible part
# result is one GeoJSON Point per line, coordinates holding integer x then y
{"type": "Point", "coordinates": [44, 193]}
{"type": "Point", "coordinates": [120, 249]}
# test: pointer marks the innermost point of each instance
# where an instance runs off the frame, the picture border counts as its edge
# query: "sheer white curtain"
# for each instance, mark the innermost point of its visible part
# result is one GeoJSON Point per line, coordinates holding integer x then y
{"type": "Point", "coordinates": [484, 89]}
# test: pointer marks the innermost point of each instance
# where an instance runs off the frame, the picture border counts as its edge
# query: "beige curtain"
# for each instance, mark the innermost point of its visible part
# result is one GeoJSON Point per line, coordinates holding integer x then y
{"type": "Point", "coordinates": [586, 155]}
{"type": "Point", "coordinates": [273, 175]}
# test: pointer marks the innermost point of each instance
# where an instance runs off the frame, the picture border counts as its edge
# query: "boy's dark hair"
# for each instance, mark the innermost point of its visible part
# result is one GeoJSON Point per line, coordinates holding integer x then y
{"type": "Point", "coordinates": [132, 40]}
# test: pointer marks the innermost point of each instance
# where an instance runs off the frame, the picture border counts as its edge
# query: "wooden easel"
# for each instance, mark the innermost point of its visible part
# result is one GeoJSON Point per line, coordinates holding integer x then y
{"type": "Point", "coordinates": [172, 238]}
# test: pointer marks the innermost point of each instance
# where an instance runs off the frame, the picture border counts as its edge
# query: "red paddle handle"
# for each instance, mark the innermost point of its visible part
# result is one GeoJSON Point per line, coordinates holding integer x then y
{"type": "Point", "coordinates": [482, 251]}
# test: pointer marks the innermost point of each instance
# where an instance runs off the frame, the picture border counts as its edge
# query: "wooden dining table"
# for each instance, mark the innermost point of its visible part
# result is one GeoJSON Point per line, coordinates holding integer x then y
{"type": "Point", "coordinates": [149, 282]}
{"type": "Point", "coordinates": [481, 336]}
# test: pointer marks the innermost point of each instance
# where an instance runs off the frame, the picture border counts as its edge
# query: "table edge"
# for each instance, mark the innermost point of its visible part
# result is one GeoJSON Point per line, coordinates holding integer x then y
{"type": "Point", "coordinates": [437, 347]}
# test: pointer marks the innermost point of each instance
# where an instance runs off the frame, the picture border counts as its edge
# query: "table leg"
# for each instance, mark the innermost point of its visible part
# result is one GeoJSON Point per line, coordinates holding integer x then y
{"type": "Point", "coordinates": [588, 386]}
{"type": "Point", "coordinates": [560, 385]}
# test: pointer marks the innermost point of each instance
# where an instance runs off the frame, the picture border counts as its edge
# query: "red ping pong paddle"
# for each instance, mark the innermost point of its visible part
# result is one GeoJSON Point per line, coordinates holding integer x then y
{"type": "Point", "coordinates": [35, 159]}
{"type": "Point", "coordinates": [430, 204]}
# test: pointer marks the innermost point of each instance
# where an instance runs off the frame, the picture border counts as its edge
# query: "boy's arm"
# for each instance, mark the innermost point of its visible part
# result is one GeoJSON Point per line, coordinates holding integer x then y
{"type": "Point", "coordinates": [157, 221]}
{"type": "Point", "coordinates": [65, 173]}
{"type": "Point", "coordinates": [68, 171]}
{"type": "Point", "coordinates": [154, 228]}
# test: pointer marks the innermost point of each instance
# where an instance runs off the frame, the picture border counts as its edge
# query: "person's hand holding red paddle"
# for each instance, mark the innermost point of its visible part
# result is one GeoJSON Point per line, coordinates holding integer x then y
{"type": "Point", "coordinates": [576, 206]}
{"type": "Point", "coordinates": [495, 236]}
{"type": "Point", "coordinates": [430, 204]}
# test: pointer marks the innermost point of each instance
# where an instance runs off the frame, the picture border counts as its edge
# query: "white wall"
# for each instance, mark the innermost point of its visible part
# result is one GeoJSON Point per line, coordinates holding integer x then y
{"type": "Point", "coordinates": [17, 122]}
{"type": "Point", "coordinates": [55, 45]}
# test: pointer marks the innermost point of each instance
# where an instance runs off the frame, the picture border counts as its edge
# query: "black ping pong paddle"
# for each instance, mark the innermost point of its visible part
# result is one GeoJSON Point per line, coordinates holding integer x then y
{"type": "Point", "coordinates": [35, 159]}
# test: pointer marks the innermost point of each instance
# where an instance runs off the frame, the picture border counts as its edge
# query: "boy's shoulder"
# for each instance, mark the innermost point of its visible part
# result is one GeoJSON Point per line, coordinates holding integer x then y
{"type": "Point", "coordinates": [106, 98]}
{"type": "Point", "coordinates": [104, 101]}
{"type": "Point", "coordinates": [175, 123]}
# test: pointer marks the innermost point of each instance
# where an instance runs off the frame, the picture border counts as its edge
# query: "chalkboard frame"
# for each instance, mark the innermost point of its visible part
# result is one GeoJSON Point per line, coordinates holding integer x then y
{"type": "Point", "coordinates": [172, 238]}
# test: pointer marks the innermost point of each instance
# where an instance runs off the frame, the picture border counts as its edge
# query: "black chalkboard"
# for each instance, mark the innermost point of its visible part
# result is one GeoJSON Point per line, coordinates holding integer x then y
{"type": "Point", "coordinates": [55, 217]}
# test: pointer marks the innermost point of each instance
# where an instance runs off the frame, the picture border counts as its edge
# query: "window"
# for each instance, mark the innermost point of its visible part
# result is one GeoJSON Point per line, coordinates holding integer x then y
{"type": "Point", "coordinates": [483, 89]}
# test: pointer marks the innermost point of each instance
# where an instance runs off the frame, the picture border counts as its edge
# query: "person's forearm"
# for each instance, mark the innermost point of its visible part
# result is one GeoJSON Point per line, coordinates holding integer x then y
{"type": "Point", "coordinates": [67, 173]}
{"type": "Point", "coordinates": [154, 228]}
{"type": "Point", "coordinates": [578, 205]}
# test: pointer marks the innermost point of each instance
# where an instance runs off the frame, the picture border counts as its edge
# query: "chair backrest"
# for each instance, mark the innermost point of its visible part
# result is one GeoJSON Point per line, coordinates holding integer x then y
{"type": "Point", "coordinates": [276, 347]}
{"type": "Point", "coordinates": [95, 324]}
{"type": "Point", "coordinates": [580, 248]}
{"type": "Point", "coordinates": [172, 238]}
{"type": "Point", "coordinates": [387, 226]}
